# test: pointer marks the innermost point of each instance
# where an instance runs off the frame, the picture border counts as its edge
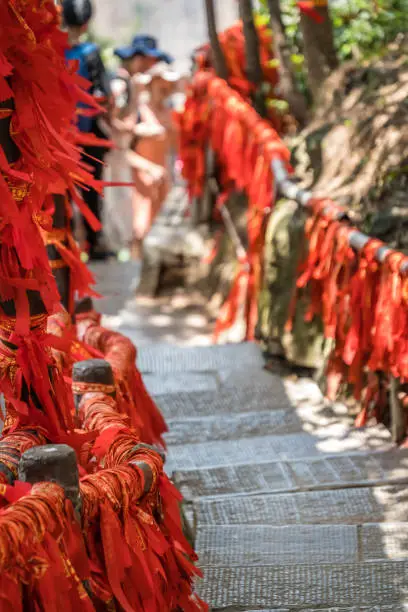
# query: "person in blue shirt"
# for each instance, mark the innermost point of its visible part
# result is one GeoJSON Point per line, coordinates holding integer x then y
{"type": "Point", "coordinates": [76, 17]}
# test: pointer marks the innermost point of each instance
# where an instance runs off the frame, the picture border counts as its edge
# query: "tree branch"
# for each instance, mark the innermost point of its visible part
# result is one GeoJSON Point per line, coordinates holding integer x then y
{"type": "Point", "coordinates": [287, 81]}
{"type": "Point", "coordinates": [253, 63]}
{"type": "Point", "coordinates": [220, 64]}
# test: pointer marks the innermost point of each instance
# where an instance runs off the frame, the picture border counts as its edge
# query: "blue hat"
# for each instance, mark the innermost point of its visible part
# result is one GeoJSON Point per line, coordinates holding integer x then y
{"type": "Point", "coordinates": [143, 45]}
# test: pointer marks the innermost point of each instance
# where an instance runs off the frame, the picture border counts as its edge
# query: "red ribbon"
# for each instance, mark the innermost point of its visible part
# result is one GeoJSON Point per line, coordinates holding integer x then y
{"type": "Point", "coordinates": [308, 8]}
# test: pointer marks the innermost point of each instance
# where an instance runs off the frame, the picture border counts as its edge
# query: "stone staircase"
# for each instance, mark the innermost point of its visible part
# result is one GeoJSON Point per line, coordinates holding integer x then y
{"type": "Point", "coordinates": [290, 507]}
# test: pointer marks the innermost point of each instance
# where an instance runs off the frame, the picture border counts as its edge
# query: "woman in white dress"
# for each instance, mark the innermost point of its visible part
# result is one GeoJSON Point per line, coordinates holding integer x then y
{"type": "Point", "coordinates": [141, 55]}
{"type": "Point", "coordinates": [143, 134]}
{"type": "Point", "coordinates": [117, 222]}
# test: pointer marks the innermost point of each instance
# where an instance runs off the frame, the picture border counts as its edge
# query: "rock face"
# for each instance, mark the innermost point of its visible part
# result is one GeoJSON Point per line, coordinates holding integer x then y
{"type": "Point", "coordinates": [179, 24]}
{"type": "Point", "coordinates": [356, 145]}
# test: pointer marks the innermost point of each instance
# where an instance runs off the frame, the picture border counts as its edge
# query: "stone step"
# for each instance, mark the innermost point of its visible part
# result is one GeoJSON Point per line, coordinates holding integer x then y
{"type": "Point", "coordinates": [261, 449]}
{"type": "Point", "coordinates": [164, 359]}
{"type": "Point", "coordinates": [232, 427]}
{"type": "Point", "coordinates": [350, 470]}
{"type": "Point", "coordinates": [253, 545]}
{"type": "Point", "coordinates": [351, 506]}
{"type": "Point", "coordinates": [224, 401]}
{"type": "Point", "coordinates": [180, 382]}
{"type": "Point", "coordinates": [399, 607]}
{"type": "Point", "coordinates": [300, 587]}
{"type": "Point", "coordinates": [193, 382]}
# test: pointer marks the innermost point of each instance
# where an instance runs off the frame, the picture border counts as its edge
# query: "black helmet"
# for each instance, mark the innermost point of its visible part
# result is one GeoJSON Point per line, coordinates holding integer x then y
{"type": "Point", "coordinates": [76, 12]}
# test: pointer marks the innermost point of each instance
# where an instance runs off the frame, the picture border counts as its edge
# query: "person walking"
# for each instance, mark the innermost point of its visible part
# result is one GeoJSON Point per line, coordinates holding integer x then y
{"type": "Point", "coordinates": [152, 156]}
{"type": "Point", "coordinates": [77, 15]}
{"type": "Point", "coordinates": [127, 129]}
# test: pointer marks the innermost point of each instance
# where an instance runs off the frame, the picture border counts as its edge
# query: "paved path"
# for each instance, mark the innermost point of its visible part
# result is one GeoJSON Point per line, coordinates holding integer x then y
{"type": "Point", "coordinates": [290, 507]}
{"type": "Point", "coordinates": [171, 319]}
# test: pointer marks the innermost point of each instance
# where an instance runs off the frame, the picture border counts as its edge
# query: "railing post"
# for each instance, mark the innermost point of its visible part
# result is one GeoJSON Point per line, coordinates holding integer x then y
{"type": "Point", "coordinates": [398, 416]}
{"type": "Point", "coordinates": [93, 372]}
{"type": "Point", "coordinates": [52, 463]}
{"type": "Point", "coordinates": [83, 306]}
{"type": "Point", "coordinates": [99, 372]}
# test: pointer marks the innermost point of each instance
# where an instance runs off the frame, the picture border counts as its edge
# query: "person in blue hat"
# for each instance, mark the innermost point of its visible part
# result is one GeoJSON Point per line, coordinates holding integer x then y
{"type": "Point", "coordinates": [141, 54]}
{"type": "Point", "coordinates": [76, 17]}
{"type": "Point", "coordinates": [128, 128]}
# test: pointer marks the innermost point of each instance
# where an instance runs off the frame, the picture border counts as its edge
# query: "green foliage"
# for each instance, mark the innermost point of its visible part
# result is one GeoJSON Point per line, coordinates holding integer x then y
{"type": "Point", "coordinates": [362, 28]}
{"type": "Point", "coordinates": [290, 18]}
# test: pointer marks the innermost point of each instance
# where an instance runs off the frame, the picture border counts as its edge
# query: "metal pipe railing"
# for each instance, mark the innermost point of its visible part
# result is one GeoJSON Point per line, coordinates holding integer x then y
{"type": "Point", "coordinates": [289, 189]}
{"type": "Point", "coordinates": [357, 240]}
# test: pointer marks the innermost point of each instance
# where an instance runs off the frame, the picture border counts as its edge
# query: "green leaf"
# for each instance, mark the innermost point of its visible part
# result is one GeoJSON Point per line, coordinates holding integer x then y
{"type": "Point", "coordinates": [261, 20]}
{"type": "Point", "coordinates": [297, 59]}
{"type": "Point", "coordinates": [279, 105]}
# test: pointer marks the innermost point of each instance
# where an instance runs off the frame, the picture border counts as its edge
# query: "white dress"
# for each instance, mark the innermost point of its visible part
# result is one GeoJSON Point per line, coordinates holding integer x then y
{"type": "Point", "coordinates": [118, 211]}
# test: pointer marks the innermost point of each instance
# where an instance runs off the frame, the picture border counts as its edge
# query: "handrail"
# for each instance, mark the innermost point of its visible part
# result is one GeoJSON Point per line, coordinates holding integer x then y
{"type": "Point", "coordinates": [357, 240]}
{"type": "Point", "coordinates": [289, 189]}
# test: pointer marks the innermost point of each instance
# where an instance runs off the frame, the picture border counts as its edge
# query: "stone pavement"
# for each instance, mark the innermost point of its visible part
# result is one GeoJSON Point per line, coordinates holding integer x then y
{"type": "Point", "coordinates": [173, 319]}
{"type": "Point", "coordinates": [290, 507]}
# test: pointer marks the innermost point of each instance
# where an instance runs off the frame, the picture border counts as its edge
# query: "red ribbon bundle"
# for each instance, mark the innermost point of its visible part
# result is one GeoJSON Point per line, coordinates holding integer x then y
{"type": "Point", "coordinates": [233, 46]}
{"type": "Point", "coordinates": [244, 145]}
{"type": "Point", "coordinates": [29, 378]}
{"type": "Point", "coordinates": [43, 562]}
{"type": "Point", "coordinates": [81, 279]}
{"type": "Point", "coordinates": [193, 134]}
{"type": "Point", "coordinates": [134, 399]}
{"type": "Point", "coordinates": [363, 305]}
{"type": "Point", "coordinates": [138, 550]}
{"type": "Point", "coordinates": [133, 560]}
{"type": "Point", "coordinates": [45, 94]}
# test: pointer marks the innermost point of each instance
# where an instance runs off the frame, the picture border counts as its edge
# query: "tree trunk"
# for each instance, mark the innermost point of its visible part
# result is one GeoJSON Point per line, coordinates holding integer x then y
{"type": "Point", "coordinates": [220, 64]}
{"type": "Point", "coordinates": [319, 50]}
{"type": "Point", "coordinates": [253, 63]}
{"type": "Point", "coordinates": [287, 81]}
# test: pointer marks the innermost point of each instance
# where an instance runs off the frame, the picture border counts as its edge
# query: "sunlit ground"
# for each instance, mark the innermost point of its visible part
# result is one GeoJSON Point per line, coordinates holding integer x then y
{"type": "Point", "coordinates": [172, 319]}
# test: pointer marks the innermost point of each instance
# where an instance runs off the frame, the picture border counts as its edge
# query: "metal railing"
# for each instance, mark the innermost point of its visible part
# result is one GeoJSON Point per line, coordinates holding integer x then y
{"type": "Point", "coordinates": [288, 188]}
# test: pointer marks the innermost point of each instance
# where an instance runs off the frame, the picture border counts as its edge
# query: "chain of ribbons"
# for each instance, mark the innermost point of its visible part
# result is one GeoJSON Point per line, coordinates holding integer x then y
{"type": "Point", "coordinates": [363, 303]}
{"type": "Point", "coordinates": [129, 550]}
{"type": "Point", "coordinates": [244, 145]}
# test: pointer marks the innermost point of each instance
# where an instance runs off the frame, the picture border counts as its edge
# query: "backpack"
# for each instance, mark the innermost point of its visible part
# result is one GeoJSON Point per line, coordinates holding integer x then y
{"type": "Point", "coordinates": [81, 53]}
